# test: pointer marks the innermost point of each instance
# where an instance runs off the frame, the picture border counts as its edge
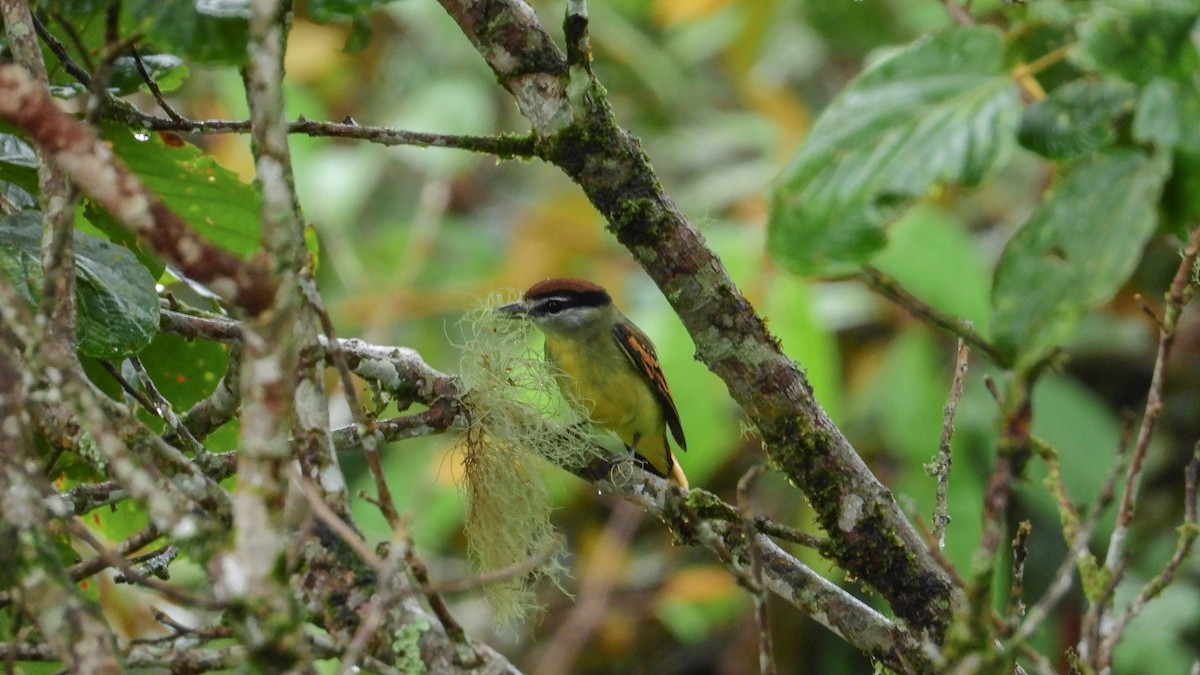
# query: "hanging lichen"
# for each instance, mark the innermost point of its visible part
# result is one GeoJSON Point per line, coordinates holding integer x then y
{"type": "Point", "coordinates": [517, 416]}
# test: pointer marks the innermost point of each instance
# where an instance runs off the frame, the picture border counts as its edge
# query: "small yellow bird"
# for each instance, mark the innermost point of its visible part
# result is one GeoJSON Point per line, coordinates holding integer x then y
{"type": "Point", "coordinates": [611, 367]}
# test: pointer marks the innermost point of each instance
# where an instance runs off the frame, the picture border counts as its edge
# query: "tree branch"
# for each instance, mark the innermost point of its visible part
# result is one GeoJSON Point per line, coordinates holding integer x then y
{"type": "Point", "coordinates": [272, 625]}
{"type": "Point", "coordinates": [74, 147]}
{"type": "Point", "coordinates": [576, 130]}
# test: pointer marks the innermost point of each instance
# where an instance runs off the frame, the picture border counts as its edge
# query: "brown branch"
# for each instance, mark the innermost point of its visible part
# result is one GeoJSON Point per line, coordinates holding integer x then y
{"type": "Point", "coordinates": [71, 145]}
{"type": "Point", "coordinates": [503, 146]}
{"type": "Point", "coordinates": [944, 461]}
{"type": "Point", "coordinates": [888, 287]}
{"type": "Point", "coordinates": [766, 656]}
{"type": "Point", "coordinates": [718, 527]}
{"type": "Point", "coordinates": [154, 90]}
{"type": "Point", "coordinates": [1176, 297]}
{"type": "Point", "coordinates": [958, 12]}
{"type": "Point", "coordinates": [1016, 595]}
{"type": "Point", "coordinates": [1189, 532]}
{"type": "Point", "coordinates": [1011, 451]}
{"type": "Point", "coordinates": [577, 132]}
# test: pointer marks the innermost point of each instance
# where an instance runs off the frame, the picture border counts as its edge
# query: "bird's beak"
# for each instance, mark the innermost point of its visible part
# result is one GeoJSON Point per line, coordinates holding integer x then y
{"type": "Point", "coordinates": [516, 310]}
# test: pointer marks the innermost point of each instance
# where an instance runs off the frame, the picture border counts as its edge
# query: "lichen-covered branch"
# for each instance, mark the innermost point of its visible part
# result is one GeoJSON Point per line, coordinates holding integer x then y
{"type": "Point", "coordinates": [701, 518]}
{"type": "Point", "coordinates": [74, 630]}
{"type": "Point", "coordinates": [576, 130]}
{"type": "Point", "coordinates": [255, 569]}
{"type": "Point", "coordinates": [56, 194]}
{"type": "Point", "coordinates": [71, 145]}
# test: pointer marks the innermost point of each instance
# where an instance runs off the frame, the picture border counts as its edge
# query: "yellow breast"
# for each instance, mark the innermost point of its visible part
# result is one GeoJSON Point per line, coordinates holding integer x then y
{"type": "Point", "coordinates": [603, 381]}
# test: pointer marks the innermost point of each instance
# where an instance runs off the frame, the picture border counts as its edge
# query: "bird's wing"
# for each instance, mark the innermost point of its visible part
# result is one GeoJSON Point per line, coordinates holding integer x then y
{"type": "Point", "coordinates": [641, 352]}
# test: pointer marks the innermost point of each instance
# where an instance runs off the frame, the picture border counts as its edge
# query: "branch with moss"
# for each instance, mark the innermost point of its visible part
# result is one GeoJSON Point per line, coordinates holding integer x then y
{"type": "Point", "coordinates": [577, 131]}
{"type": "Point", "coordinates": [74, 630]}
{"type": "Point", "coordinates": [503, 146]}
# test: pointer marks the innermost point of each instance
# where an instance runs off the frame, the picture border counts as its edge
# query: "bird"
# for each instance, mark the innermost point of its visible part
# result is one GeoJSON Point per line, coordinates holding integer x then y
{"type": "Point", "coordinates": [608, 366]}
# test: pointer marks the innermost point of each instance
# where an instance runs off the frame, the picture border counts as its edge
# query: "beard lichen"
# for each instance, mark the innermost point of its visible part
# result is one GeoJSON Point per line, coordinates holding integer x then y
{"type": "Point", "coordinates": [517, 416]}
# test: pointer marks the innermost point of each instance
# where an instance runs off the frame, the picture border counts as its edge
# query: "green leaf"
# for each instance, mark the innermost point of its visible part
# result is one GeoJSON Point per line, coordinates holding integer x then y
{"type": "Point", "coordinates": [1074, 252]}
{"type": "Point", "coordinates": [186, 371]}
{"type": "Point", "coordinates": [18, 163]}
{"type": "Point", "coordinates": [209, 197]}
{"type": "Point", "coordinates": [16, 150]}
{"type": "Point", "coordinates": [1076, 119]}
{"type": "Point", "coordinates": [1140, 40]}
{"type": "Point", "coordinates": [1158, 118]}
{"type": "Point", "coordinates": [941, 110]}
{"type": "Point", "coordinates": [212, 31]}
{"type": "Point", "coordinates": [167, 71]}
{"type": "Point", "coordinates": [115, 296]}
{"type": "Point", "coordinates": [117, 233]}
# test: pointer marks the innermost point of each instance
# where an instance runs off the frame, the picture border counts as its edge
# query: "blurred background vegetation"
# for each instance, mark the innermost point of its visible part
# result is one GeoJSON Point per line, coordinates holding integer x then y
{"type": "Point", "coordinates": [720, 92]}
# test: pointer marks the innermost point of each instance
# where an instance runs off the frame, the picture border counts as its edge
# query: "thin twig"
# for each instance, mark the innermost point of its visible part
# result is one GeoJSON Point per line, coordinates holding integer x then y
{"type": "Point", "coordinates": [519, 568]}
{"type": "Point", "coordinates": [154, 90]}
{"type": "Point", "coordinates": [133, 542]}
{"type": "Point", "coordinates": [503, 146]}
{"type": "Point", "coordinates": [941, 466]}
{"type": "Point", "coordinates": [155, 563]}
{"type": "Point", "coordinates": [766, 658]}
{"type": "Point", "coordinates": [1020, 548]}
{"type": "Point", "coordinates": [1010, 452]}
{"type": "Point", "coordinates": [891, 289]}
{"type": "Point", "coordinates": [369, 441]}
{"type": "Point", "coordinates": [1177, 295]}
{"type": "Point", "coordinates": [467, 656]}
{"type": "Point", "coordinates": [163, 408]}
{"type": "Point", "coordinates": [787, 533]}
{"type": "Point", "coordinates": [170, 591]}
{"type": "Point", "coordinates": [128, 387]}
{"type": "Point", "coordinates": [993, 389]}
{"type": "Point", "coordinates": [1189, 531]}
{"type": "Point", "coordinates": [1063, 580]}
{"type": "Point", "coordinates": [60, 52]}
{"type": "Point", "coordinates": [959, 12]}
{"type": "Point", "coordinates": [1025, 75]}
{"type": "Point", "coordinates": [339, 527]}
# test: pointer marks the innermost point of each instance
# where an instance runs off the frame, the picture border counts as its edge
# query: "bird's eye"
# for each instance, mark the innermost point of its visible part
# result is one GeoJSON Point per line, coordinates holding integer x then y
{"type": "Point", "coordinates": [552, 306]}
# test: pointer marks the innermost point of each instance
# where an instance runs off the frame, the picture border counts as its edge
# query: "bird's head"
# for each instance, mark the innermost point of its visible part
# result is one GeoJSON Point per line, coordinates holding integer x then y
{"type": "Point", "coordinates": [564, 307]}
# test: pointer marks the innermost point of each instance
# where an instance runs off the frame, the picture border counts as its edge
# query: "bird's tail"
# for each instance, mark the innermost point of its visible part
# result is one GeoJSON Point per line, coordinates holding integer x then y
{"type": "Point", "coordinates": [677, 474]}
